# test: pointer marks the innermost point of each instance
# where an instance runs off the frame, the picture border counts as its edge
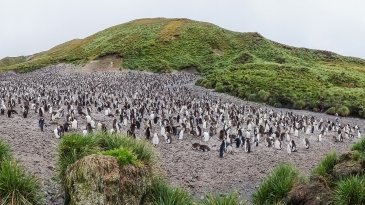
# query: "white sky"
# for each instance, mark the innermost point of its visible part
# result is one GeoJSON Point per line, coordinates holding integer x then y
{"type": "Point", "coordinates": [30, 26]}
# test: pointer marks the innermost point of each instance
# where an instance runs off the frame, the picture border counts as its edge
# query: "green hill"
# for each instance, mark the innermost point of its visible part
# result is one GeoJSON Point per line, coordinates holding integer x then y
{"type": "Point", "coordinates": [243, 64]}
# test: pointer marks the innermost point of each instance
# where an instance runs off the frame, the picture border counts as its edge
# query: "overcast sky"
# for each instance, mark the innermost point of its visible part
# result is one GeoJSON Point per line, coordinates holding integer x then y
{"type": "Point", "coordinates": [30, 26]}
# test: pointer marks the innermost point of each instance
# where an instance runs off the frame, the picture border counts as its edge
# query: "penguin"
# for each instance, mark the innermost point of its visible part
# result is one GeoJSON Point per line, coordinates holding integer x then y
{"type": "Point", "coordinates": [268, 142]}
{"type": "Point", "coordinates": [247, 146]}
{"type": "Point", "coordinates": [293, 146]}
{"type": "Point", "coordinates": [306, 143]}
{"type": "Point", "coordinates": [148, 133]}
{"type": "Point", "coordinates": [56, 133]}
{"type": "Point", "coordinates": [181, 134]}
{"type": "Point", "coordinates": [74, 124]}
{"type": "Point", "coordinates": [41, 123]}
{"type": "Point", "coordinates": [155, 140]}
{"type": "Point", "coordinates": [288, 148]}
{"type": "Point", "coordinates": [222, 149]}
{"type": "Point", "coordinates": [205, 136]}
{"type": "Point", "coordinates": [277, 144]}
{"type": "Point", "coordinates": [238, 142]}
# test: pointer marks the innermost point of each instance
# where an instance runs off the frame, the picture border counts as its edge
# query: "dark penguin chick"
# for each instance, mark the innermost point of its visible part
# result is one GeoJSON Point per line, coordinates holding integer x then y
{"type": "Point", "coordinates": [247, 146]}
{"type": "Point", "coordinates": [169, 138]}
{"type": "Point", "coordinates": [25, 114]}
{"type": "Point", "coordinates": [89, 128]}
{"type": "Point", "coordinates": [204, 148]}
{"type": "Point", "coordinates": [195, 146]}
{"type": "Point", "coordinates": [293, 146]}
{"type": "Point", "coordinates": [148, 133]}
{"type": "Point", "coordinates": [268, 142]}
{"type": "Point", "coordinates": [222, 148]}
{"type": "Point", "coordinates": [238, 142]}
{"type": "Point", "coordinates": [41, 124]}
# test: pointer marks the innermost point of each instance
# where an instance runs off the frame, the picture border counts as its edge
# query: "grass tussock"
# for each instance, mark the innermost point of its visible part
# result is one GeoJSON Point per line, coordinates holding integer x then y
{"type": "Point", "coordinates": [359, 146]}
{"type": "Point", "coordinates": [162, 193]}
{"type": "Point", "coordinates": [276, 185]}
{"type": "Point", "coordinates": [350, 191]}
{"type": "Point", "coordinates": [17, 187]}
{"type": "Point", "coordinates": [4, 151]}
{"type": "Point", "coordinates": [228, 199]}
{"type": "Point", "coordinates": [325, 166]}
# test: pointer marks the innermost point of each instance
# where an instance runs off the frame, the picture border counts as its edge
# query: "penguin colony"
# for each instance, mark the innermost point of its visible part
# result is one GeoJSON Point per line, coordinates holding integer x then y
{"type": "Point", "coordinates": [159, 109]}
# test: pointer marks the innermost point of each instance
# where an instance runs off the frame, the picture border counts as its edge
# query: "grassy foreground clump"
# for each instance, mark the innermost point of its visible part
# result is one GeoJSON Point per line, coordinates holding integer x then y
{"type": "Point", "coordinates": [350, 191]}
{"type": "Point", "coordinates": [325, 166]}
{"type": "Point", "coordinates": [113, 169]}
{"type": "Point", "coordinates": [276, 185]}
{"type": "Point", "coordinates": [16, 186]}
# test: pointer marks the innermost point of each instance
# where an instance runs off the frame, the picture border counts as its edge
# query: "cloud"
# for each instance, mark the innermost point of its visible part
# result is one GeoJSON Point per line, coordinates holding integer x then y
{"type": "Point", "coordinates": [28, 27]}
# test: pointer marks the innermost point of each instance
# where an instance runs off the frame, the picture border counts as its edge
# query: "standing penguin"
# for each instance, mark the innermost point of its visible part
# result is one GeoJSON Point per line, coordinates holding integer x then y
{"type": "Point", "coordinates": [306, 143]}
{"type": "Point", "coordinates": [148, 133]}
{"type": "Point", "coordinates": [222, 148]}
{"type": "Point", "coordinates": [293, 146]}
{"type": "Point", "coordinates": [41, 123]}
{"type": "Point", "coordinates": [155, 140]}
{"type": "Point", "coordinates": [247, 146]}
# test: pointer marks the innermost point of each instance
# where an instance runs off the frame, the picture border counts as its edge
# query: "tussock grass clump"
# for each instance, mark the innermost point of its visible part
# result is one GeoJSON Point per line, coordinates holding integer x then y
{"type": "Point", "coordinates": [17, 186]}
{"type": "Point", "coordinates": [359, 146]}
{"type": "Point", "coordinates": [229, 199]}
{"type": "Point", "coordinates": [325, 166]}
{"type": "Point", "coordinates": [350, 191]}
{"type": "Point", "coordinates": [163, 194]}
{"type": "Point", "coordinates": [80, 159]}
{"type": "Point", "coordinates": [123, 155]}
{"type": "Point", "coordinates": [4, 151]}
{"type": "Point", "coordinates": [276, 185]}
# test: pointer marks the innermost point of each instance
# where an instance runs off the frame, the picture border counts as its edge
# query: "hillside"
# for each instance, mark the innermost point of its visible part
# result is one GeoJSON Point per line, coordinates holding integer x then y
{"type": "Point", "coordinates": [243, 64]}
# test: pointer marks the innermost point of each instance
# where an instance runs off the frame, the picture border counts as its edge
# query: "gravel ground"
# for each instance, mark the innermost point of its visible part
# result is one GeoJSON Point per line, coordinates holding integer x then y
{"type": "Point", "coordinates": [198, 172]}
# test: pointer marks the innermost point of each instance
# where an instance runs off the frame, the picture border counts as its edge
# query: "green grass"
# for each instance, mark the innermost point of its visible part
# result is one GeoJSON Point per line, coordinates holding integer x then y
{"type": "Point", "coordinates": [246, 65]}
{"type": "Point", "coordinates": [18, 187]}
{"type": "Point", "coordinates": [124, 156]}
{"type": "Point", "coordinates": [229, 199]}
{"type": "Point", "coordinates": [276, 185]}
{"type": "Point", "coordinates": [359, 146]}
{"type": "Point", "coordinates": [325, 166]}
{"type": "Point", "coordinates": [4, 151]}
{"type": "Point", "coordinates": [162, 193]}
{"type": "Point", "coordinates": [350, 191]}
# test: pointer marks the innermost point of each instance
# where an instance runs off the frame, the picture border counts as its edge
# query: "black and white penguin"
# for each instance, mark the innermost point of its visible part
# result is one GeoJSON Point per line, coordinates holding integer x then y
{"type": "Point", "coordinates": [293, 146]}
{"type": "Point", "coordinates": [247, 145]}
{"type": "Point", "coordinates": [306, 143]}
{"type": "Point", "coordinates": [222, 149]}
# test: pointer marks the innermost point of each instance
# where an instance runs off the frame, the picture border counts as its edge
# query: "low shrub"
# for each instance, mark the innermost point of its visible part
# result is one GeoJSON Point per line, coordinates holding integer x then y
{"type": "Point", "coordinates": [263, 95]}
{"type": "Point", "coordinates": [343, 111]}
{"type": "Point", "coordinates": [331, 111]}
